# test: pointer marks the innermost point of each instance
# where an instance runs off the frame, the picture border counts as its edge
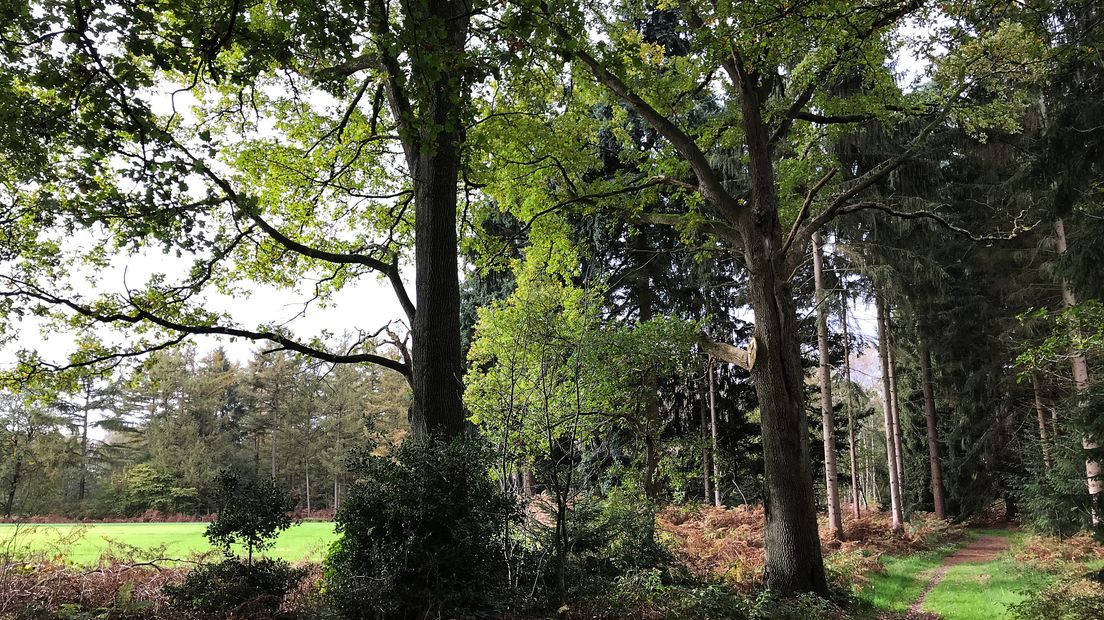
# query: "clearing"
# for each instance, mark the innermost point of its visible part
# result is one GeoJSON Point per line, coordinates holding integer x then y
{"type": "Point", "coordinates": [83, 544]}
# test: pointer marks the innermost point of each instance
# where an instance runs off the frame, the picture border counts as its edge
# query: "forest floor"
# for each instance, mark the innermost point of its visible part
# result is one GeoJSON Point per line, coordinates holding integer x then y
{"type": "Point", "coordinates": [932, 570]}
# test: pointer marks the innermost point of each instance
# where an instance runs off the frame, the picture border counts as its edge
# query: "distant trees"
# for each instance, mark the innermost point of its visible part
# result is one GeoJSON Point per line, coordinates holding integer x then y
{"type": "Point", "coordinates": [160, 440]}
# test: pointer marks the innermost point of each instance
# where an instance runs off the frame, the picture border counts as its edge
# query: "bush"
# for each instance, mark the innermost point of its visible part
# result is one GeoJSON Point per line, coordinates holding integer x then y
{"type": "Point", "coordinates": [1054, 501]}
{"type": "Point", "coordinates": [232, 588]}
{"type": "Point", "coordinates": [1065, 599]}
{"type": "Point", "coordinates": [421, 534]}
{"type": "Point", "coordinates": [252, 510]}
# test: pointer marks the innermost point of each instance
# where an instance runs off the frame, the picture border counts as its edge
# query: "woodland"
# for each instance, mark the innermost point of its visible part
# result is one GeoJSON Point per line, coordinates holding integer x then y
{"type": "Point", "coordinates": [660, 309]}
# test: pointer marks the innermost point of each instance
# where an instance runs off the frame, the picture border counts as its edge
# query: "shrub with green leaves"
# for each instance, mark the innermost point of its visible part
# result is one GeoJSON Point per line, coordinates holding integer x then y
{"type": "Point", "coordinates": [1066, 599]}
{"type": "Point", "coordinates": [231, 588]}
{"type": "Point", "coordinates": [253, 510]}
{"type": "Point", "coordinates": [421, 534]}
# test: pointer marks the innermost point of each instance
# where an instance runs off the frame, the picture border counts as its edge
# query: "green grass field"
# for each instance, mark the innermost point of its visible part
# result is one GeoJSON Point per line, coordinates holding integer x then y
{"type": "Point", "coordinates": [83, 544]}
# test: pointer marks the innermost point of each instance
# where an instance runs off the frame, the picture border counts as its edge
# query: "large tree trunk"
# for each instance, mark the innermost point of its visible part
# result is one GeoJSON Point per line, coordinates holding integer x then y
{"type": "Point", "coordinates": [1080, 368]}
{"type": "Point", "coordinates": [850, 415]}
{"type": "Point", "coordinates": [933, 433]}
{"type": "Point", "coordinates": [437, 410]}
{"type": "Point", "coordinates": [793, 559]}
{"type": "Point", "coordinates": [887, 407]}
{"type": "Point", "coordinates": [1040, 414]}
{"type": "Point", "coordinates": [831, 474]}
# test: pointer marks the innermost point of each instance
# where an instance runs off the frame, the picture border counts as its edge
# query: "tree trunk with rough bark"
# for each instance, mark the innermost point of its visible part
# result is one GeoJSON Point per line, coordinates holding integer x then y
{"type": "Point", "coordinates": [831, 473]}
{"type": "Point", "coordinates": [855, 510]}
{"type": "Point", "coordinates": [933, 433]}
{"type": "Point", "coordinates": [887, 407]}
{"type": "Point", "coordinates": [437, 410]}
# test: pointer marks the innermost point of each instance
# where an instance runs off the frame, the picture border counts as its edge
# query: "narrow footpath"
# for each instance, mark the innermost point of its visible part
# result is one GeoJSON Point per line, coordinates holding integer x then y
{"type": "Point", "coordinates": [983, 550]}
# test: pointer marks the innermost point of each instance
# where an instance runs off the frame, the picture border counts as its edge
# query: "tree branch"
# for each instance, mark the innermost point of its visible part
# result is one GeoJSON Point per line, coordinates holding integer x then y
{"type": "Point", "coordinates": [744, 358]}
{"type": "Point", "coordinates": [140, 315]}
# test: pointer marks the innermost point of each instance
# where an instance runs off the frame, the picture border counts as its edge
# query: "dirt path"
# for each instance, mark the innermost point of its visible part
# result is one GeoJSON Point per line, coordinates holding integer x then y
{"type": "Point", "coordinates": [982, 550]}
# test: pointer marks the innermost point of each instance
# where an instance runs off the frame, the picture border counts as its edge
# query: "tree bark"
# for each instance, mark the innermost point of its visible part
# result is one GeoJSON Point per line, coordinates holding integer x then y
{"type": "Point", "coordinates": [831, 473]}
{"type": "Point", "coordinates": [707, 442]}
{"type": "Point", "coordinates": [933, 434]}
{"type": "Point", "coordinates": [887, 407]}
{"type": "Point", "coordinates": [713, 435]}
{"type": "Point", "coordinates": [1080, 368]}
{"type": "Point", "coordinates": [895, 405]}
{"type": "Point", "coordinates": [855, 510]}
{"type": "Point", "coordinates": [1040, 414]}
{"type": "Point", "coordinates": [437, 410]}
{"type": "Point", "coordinates": [793, 557]}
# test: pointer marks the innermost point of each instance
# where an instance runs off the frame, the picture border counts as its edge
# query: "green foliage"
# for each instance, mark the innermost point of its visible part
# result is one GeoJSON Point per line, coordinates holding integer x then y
{"type": "Point", "coordinates": [251, 510]}
{"type": "Point", "coordinates": [1067, 598]}
{"type": "Point", "coordinates": [615, 535]}
{"type": "Point", "coordinates": [146, 488]}
{"type": "Point", "coordinates": [1077, 328]}
{"type": "Point", "coordinates": [1053, 500]}
{"type": "Point", "coordinates": [421, 534]}
{"type": "Point", "coordinates": [232, 587]}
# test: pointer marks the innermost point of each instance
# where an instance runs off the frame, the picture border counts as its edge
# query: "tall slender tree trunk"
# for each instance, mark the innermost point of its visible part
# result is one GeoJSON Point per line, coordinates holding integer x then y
{"type": "Point", "coordinates": [641, 286]}
{"type": "Point", "coordinates": [707, 442]}
{"type": "Point", "coordinates": [887, 407]}
{"type": "Point", "coordinates": [13, 483]}
{"type": "Point", "coordinates": [306, 470]}
{"type": "Point", "coordinates": [82, 487]}
{"type": "Point", "coordinates": [855, 510]}
{"type": "Point", "coordinates": [1040, 414]}
{"type": "Point", "coordinates": [933, 433]}
{"type": "Point", "coordinates": [895, 405]}
{"type": "Point", "coordinates": [273, 455]}
{"type": "Point", "coordinates": [713, 435]}
{"type": "Point", "coordinates": [831, 474]}
{"type": "Point", "coordinates": [1080, 368]}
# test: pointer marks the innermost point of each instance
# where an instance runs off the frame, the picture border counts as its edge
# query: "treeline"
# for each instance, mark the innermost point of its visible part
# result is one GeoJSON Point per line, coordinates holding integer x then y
{"type": "Point", "coordinates": [158, 437]}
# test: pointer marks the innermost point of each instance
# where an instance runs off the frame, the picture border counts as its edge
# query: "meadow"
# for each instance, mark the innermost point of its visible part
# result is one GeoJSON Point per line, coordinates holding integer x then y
{"type": "Point", "coordinates": [84, 544]}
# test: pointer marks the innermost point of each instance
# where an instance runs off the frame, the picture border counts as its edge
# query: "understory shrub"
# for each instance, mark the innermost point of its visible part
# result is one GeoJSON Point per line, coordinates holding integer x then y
{"type": "Point", "coordinates": [233, 588]}
{"type": "Point", "coordinates": [1067, 598]}
{"type": "Point", "coordinates": [421, 535]}
{"type": "Point", "coordinates": [252, 511]}
{"type": "Point", "coordinates": [1053, 500]}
